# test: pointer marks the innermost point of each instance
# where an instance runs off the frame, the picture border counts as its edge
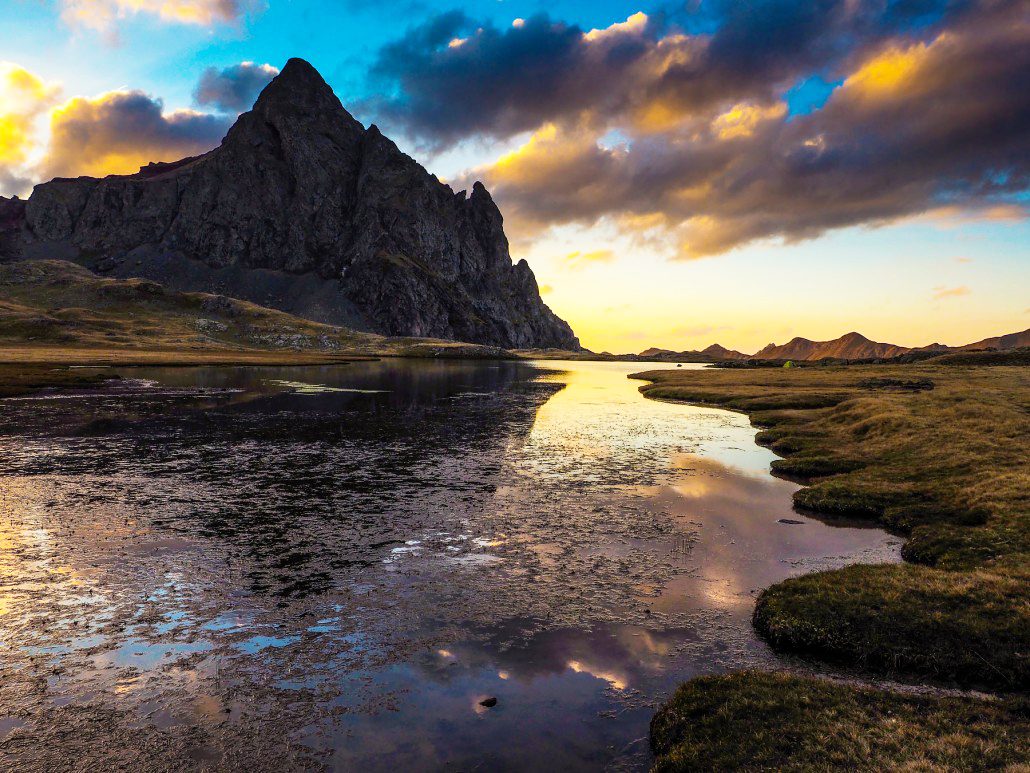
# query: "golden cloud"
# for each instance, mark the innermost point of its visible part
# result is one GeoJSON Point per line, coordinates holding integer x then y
{"type": "Point", "coordinates": [742, 119]}
{"type": "Point", "coordinates": [103, 15]}
{"type": "Point", "coordinates": [120, 131]}
{"type": "Point", "coordinates": [940, 292]}
{"type": "Point", "coordinates": [581, 259]}
{"type": "Point", "coordinates": [24, 100]}
{"type": "Point", "coordinates": [891, 70]}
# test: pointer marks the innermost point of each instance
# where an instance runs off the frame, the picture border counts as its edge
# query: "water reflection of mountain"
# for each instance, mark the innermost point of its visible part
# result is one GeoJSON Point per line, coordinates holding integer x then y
{"type": "Point", "coordinates": [299, 487]}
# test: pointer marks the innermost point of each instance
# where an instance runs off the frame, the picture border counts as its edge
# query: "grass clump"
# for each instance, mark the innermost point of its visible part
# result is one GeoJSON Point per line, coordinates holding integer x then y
{"type": "Point", "coordinates": [969, 628]}
{"type": "Point", "coordinates": [773, 721]}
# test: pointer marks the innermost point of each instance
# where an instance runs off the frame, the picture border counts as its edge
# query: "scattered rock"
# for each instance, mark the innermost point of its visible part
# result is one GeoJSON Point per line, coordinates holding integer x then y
{"type": "Point", "coordinates": [210, 326]}
{"type": "Point", "coordinates": [790, 521]}
{"type": "Point", "coordinates": [489, 702]}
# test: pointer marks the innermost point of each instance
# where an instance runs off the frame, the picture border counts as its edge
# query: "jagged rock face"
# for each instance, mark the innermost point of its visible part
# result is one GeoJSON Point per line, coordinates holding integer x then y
{"type": "Point", "coordinates": [299, 186]}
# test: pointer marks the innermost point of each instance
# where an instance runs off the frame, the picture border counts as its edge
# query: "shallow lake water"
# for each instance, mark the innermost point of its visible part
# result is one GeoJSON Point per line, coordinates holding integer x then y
{"type": "Point", "coordinates": [336, 566]}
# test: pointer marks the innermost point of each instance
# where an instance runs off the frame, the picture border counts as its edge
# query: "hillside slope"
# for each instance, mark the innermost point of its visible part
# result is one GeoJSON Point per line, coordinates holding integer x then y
{"type": "Point", "coordinates": [54, 303]}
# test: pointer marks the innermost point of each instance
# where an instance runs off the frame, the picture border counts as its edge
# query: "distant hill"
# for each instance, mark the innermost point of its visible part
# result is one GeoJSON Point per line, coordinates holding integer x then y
{"type": "Point", "coordinates": [723, 353]}
{"type": "Point", "coordinates": [855, 346]}
{"type": "Point", "coordinates": [713, 353]}
{"type": "Point", "coordinates": [1010, 341]}
{"type": "Point", "coordinates": [852, 346]}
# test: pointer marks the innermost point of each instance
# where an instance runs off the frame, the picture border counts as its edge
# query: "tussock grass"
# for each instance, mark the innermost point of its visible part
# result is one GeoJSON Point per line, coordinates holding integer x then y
{"type": "Point", "coordinates": [773, 721]}
{"type": "Point", "coordinates": [947, 466]}
{"type": "Point", "coordinates": [971, 628]}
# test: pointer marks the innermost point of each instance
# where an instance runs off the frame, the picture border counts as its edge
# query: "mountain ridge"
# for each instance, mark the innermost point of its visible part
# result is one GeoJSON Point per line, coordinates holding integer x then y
{"type": "Point", "coordinates": [850, 346]}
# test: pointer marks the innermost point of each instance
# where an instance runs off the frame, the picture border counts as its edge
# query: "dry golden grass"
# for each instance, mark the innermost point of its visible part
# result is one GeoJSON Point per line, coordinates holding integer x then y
{"type": "Point", "coordinates": [55, 311]}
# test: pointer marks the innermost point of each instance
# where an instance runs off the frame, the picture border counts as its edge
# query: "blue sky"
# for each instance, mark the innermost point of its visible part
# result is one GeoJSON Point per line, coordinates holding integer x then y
{"type": "Point", "coordinates": [675, 177]}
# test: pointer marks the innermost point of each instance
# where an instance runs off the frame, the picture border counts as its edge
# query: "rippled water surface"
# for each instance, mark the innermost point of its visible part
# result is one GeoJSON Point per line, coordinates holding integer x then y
{"type": "Point", "coordinates": [335, 566]}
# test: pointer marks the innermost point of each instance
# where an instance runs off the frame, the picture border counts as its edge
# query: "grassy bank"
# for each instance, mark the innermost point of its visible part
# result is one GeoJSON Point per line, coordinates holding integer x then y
{"type": "Point", "coordinates": [55, 311]}
{"type": "Point", "coordinates": [761, 721]}
{"type": "Point", "coordinates": [939, 453]}
{"type": "Point", "coordinates": [16, 380]}
{"type": "Point", "coordinates": [60, 357]}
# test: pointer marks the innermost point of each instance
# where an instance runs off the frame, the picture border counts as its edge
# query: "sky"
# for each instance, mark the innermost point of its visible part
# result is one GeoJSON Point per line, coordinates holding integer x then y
{"type": "Point", "coordinates": [676, 174]}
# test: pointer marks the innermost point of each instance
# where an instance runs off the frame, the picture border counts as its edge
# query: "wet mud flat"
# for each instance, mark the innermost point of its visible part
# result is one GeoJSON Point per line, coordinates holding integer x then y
{"type": "Point", "coordinates": [333, 567]}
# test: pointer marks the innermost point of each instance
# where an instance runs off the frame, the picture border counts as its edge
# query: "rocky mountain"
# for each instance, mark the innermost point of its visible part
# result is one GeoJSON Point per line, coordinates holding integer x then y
{"type": "Point", "coordinates": [1010, 341]}
{"type": "Point", "coordinates": [301, 209]}
{"type": "Point", "coordinates": [852, 346]}
{"type": "Point", "coordinates": [713, 353]}
{"type": "Point", "coordinates": [722, 353]}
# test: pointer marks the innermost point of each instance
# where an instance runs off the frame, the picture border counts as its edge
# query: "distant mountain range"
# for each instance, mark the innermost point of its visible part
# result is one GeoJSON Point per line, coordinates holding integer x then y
{"type": "Point", "coordinates": [851, 346]}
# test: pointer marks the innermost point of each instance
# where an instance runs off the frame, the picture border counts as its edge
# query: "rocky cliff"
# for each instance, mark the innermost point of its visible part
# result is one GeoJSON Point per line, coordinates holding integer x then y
{"type": "Point", "coordinates": [302, 209]}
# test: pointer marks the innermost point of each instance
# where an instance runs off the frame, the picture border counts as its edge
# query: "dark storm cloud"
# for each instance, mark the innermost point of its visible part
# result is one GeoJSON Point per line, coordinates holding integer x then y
{"type": "Point", "coordinates": [233, 89]}
{"type": "Point", "coordinates": [12, 184]}
{"type": "Point", "coordinates": [115, 131]}
{"type": "Point", "coordinates": [915, 127]}
{"type": "Point", "coordinates": [453, 77]}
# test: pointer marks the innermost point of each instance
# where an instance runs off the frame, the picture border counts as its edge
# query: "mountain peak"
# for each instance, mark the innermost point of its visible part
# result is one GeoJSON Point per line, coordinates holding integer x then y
{"type": "Point", "coordinates": [300, 86]}
{"type": "Point", "coordinates": [356, 232]}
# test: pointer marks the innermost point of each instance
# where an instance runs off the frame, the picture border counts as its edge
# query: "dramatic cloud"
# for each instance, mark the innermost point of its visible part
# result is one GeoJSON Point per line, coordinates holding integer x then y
{"type": "Point", "coordinates": [104, 15]}
{"type": "Point", "coordinates": [941, 124]}
{"type": "Point", "coordinates": [118, 132]}
{"type": "Point", "coordinates": [580, 259]}
{"type": "Point", "coordinates": [233, 89]}
{"type": "Point", "coordinates": [453, 76]}
{"type": "Point", "coordinates": [114, 133]}
{"type": "Point", "coordinates": [24, 100]}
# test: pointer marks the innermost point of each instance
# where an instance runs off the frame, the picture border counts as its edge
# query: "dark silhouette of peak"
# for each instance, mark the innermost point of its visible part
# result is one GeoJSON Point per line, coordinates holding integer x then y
{"type": "Point", "coordinates": [304, 210]}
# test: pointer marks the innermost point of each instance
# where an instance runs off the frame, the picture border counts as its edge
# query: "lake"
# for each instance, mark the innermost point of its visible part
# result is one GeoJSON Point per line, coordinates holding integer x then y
{"type": "Point", "coordinates": [382, 565]}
